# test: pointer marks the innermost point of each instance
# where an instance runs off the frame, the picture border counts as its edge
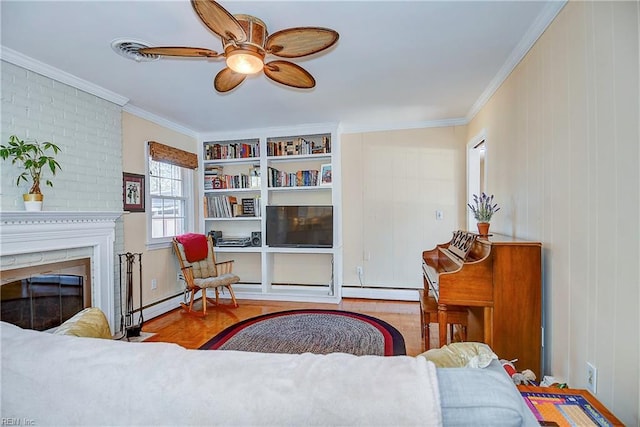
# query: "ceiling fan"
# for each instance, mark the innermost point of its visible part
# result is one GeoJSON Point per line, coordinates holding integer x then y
{"type": "Point", "coordinates": [246, 43]}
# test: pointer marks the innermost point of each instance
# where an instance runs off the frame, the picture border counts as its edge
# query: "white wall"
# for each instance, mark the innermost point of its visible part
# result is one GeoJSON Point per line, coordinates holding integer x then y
{"type": "Point", "coordinates": [563, 159]}
{"type": "Point", "coordinates": [393, 183]}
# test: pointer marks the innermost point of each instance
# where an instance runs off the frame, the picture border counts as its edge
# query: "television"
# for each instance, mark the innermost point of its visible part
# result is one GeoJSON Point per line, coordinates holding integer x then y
{"type": "Point", "coordinates": [300, 226]}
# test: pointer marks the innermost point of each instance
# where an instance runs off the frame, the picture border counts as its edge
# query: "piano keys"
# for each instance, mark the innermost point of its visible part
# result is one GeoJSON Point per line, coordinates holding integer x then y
{"type": "Point", "coordinates": [499, 278]}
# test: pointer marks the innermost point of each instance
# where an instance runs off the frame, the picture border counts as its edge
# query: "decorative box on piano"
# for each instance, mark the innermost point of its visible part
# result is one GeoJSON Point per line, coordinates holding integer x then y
{"type": "Point", "coordinates": [499, 279]}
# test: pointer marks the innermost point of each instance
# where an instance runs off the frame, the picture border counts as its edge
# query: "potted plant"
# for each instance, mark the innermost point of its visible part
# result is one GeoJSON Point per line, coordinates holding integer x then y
{"type": "Point", "coordinates": [32, 156]}
{"type": "Point", "coordinates": [483, 209]}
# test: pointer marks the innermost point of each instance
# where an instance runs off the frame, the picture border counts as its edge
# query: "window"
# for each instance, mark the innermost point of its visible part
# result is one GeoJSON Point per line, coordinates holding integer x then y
{"type": "Point", "coordinates": [170, 200]}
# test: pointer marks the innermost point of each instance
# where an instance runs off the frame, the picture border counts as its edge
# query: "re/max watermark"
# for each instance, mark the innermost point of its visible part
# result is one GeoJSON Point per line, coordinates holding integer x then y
{"type": "Point", "coordinates": [17, 422]}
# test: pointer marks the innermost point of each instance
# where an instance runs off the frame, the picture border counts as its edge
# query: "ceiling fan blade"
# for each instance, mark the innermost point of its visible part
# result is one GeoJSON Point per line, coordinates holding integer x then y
{"type": "Point", "coordinates": [300, 41]}
{"type": "Point", "coordinates": [228, 79]}
{"type": "Point", "coordinates": [289, 74]}
{"type": "Point", "coordinates": [219, 20]}
{"type": "Point", "coordinates": [195, 52]}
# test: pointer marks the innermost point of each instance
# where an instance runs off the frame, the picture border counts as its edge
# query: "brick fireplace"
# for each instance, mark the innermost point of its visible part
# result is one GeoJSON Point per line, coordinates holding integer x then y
{"type": "Point", "coordinates": [36, 240]}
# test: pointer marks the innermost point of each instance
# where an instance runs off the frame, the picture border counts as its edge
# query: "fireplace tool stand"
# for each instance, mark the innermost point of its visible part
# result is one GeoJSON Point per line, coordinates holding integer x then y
{"type": "Point", "coordinates": [126, 321]}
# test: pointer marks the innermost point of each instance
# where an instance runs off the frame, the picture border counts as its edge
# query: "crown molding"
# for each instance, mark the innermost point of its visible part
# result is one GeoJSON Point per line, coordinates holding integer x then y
{"type": "Point", "coordinates": [144, 114]}
{"type": "Point", "coordinates": [26, 62]}
{"type": "Point", "coordinates": [346, 128]}
{"type": "Point", "coordinates": [532, 35]}
{"type": "Point", "coordinates": [16, 58]}
{"type": "Point", "coordinates": [300, 129]}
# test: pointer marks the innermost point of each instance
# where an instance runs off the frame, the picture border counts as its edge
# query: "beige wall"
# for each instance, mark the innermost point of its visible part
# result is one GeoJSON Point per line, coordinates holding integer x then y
{"type": "Point", "coordinates": [157, 264]}
{"type": "Point", "coordinates": [392, 184]}
{"type": "Point", "coordinates": [563, 153]}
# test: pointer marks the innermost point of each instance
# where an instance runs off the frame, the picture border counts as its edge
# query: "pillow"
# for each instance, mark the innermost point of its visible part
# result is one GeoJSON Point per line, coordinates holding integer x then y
{"type": "Point", "coordinates": [90, 322]}
{"type": "Point", "coordinates": [461, 355]}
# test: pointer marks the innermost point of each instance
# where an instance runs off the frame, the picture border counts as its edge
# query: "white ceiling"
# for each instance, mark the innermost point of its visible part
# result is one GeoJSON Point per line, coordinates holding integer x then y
{"type": "Point", "coordinates": [397, 63]}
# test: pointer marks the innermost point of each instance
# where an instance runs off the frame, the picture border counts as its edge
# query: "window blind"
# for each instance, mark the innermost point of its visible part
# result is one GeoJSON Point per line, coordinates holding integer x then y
{"type": "Point", "coordinates": [175, 156]}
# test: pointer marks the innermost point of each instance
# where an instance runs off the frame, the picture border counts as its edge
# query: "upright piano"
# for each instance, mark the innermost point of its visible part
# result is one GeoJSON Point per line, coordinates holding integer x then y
{"type": "Point", "coordinates": [500, 279]}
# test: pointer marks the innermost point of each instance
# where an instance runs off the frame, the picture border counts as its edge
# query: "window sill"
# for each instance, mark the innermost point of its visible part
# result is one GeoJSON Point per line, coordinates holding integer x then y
{"type": "Point", "coordinates": [153, 246]}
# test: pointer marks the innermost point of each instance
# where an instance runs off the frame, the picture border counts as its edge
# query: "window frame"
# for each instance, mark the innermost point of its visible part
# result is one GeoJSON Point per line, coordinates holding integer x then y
{"type": "Point", "coordinates": [189, 200]}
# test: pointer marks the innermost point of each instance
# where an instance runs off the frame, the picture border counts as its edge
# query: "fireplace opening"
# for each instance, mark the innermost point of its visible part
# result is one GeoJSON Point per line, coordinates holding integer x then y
{"type": "Point", "coordinates": [44, 296]}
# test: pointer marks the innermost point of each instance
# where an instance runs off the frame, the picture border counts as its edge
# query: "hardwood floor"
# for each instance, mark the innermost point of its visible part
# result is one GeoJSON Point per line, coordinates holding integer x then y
{"type": "Point", "coordinates": [192, 332]}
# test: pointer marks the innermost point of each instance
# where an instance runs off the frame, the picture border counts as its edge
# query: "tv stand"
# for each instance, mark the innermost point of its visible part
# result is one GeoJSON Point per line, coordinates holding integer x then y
{"type": "Point", "coordinates": [242, 174]}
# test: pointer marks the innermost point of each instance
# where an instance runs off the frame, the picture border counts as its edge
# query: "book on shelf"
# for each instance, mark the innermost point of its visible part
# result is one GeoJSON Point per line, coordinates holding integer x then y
{"type": "Point", "coordinates": [221, 206]}
{"type": "Point", "coordinates": [214, 178]}
{"type": "Point", "coordinates": [218, 182]}
{"type": "Point", "coordinates": [237, 181]}
{"type": "Point", "coordinates": [301, 178]}
{"type": "Point", "coordinates": [213, 170]}
{"type": "Point", "coordinates": [224, 206]}
{"type": "Point", "coordinates": [239, 150]}
{"type": "Point", "coordinates": [299, 146]}
{"type": "Point", "coordinates": [321, 147]}
{"type": "Point", "coordinates": [205, 206]}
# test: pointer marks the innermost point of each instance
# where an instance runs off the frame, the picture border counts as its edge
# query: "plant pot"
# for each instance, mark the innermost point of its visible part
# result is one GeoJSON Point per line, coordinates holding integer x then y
{"type": "Point", "coordinates": [483, 228]}
{"type": "Point", "coordinates": [32, 202]}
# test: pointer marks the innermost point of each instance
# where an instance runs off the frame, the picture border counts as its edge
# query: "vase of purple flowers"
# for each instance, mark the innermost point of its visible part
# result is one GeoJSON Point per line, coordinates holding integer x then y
{"type": "Point", "coordinates": [483, 209]}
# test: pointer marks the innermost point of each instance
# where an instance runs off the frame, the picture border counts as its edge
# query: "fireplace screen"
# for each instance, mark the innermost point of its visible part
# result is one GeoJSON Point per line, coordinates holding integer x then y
{"type": "Point", "coordinates": [42, 302]}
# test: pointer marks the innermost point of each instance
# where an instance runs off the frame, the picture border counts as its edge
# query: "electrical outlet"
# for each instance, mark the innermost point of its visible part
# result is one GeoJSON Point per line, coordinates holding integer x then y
{"type": "Point", "coordinates": [359, 271]}
{"type": "Point", "coordinates": [154, 284]}
{"type": "Point", "coordinates": [439, 215]}
{"type": "Point", "coordinates": [592, 378]}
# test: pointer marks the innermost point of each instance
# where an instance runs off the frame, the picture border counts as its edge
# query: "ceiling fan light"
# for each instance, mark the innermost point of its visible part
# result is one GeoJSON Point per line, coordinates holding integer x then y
{"type": "Point", "coordinates": [245, 62]}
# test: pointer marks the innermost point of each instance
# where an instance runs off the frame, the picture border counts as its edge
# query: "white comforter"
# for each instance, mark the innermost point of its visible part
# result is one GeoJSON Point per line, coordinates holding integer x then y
{"type": "Point", "coordinates": [64, 380]}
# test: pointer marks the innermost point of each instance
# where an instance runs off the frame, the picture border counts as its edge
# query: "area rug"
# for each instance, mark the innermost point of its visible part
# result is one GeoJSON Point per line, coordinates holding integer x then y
{"type": "Point", "coordinates": [312, 331]}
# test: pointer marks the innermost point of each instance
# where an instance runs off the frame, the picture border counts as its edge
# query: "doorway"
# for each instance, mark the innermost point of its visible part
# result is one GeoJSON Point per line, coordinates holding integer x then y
{"type": "Point", "coordinates": [476, 172]}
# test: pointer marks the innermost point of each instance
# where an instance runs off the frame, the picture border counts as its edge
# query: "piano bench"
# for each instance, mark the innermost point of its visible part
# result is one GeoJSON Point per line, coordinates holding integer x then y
{"type": "Point", "coordinates": [456, 315]}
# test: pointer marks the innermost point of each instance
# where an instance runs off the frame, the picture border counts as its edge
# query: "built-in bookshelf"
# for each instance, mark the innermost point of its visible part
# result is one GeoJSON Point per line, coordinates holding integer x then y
{"type": "Point", "coordinates": [243, 175]}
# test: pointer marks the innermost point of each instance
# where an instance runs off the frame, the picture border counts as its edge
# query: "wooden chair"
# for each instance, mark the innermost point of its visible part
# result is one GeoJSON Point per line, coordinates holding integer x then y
{"type": "Point", "coordinates": [431, 312]}
{"type": "Point", "coordinates": [204, 274]}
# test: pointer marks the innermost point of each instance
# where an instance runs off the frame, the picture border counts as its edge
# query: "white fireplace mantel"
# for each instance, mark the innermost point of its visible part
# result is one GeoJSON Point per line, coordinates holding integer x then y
{"type": "Point", "coordinates": [29, 232]}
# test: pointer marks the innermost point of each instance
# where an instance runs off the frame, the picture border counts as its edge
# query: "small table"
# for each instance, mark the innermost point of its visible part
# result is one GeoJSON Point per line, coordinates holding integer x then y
{"type": "Point", "coordinates": [565, 406]}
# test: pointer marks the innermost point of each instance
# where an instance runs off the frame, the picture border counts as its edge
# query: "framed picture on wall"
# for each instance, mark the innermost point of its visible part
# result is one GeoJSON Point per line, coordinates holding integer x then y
{"type": "Point", "coordinates": [325, 174]}
{"type": "Point", "coordinates": [133, 192]}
